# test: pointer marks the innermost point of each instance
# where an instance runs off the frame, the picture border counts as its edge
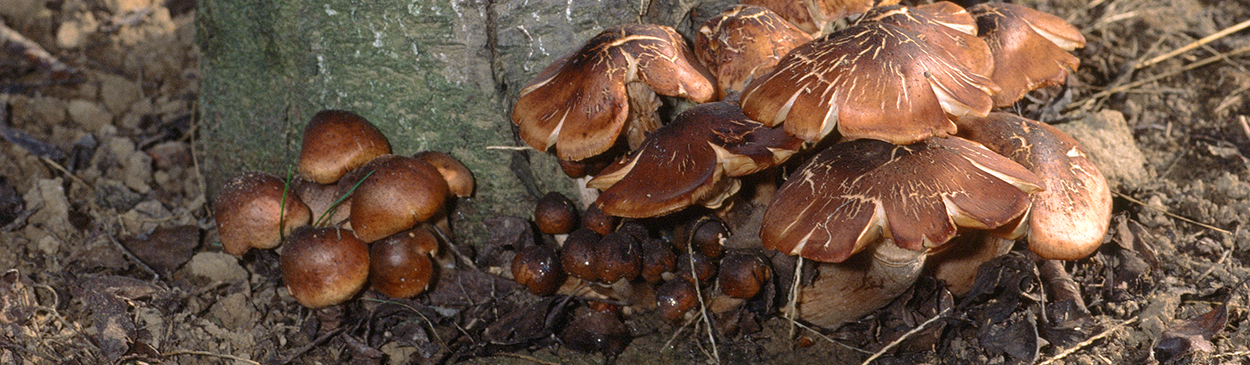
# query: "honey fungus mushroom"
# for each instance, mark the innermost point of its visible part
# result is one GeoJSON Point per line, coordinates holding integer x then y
{"type": "Point", "coordinates": [693, 156]}
{"type": "Point", "coordinates": [1071, 215]}
{"type": "Point", "coordinates": [323, 266]}
{"type": "Point", "coordinates": [337, 141]}
{"type": "Point", "coordinates": [584, 101]}
{"type": "Point", "coordinates": [400, 264]}
{"type": "Point", "coordinates": [812, 15]}
{"type": "Point", "coordinates": [897, 64]}
{"type": "Point", "coordinates": [1029, 48]}
{"type": "Point", "coordinates": [743, 43]}
{"type": "Point", "coordinates": [399, 192]}
{"type": "Point", "coordinates": [255, 210]}
{"type": "Point", "coordinates": [892, 203]}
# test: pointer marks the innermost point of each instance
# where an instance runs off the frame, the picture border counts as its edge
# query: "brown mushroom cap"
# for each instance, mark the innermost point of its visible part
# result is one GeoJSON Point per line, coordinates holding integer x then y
{"type": "Point", "coordinates": [619, 257]}
{"type": "Point", "coordinates": [251, 212]}
{"type": "Point", "coordinates": [400, 264]}
{"type": "Point", "coordinates": [555, 214]}
{"type": "Point", "coordinates": [337, 141]}
{"type": "Point", "coordinates": [598, 221]}
{"type": "Point", "coordinates": [459, 179]}
{"type": "Point", "coordinates": [1070, 217]}
{"type": "Point", "coordinates": [538, 268]}
{"type": "Point", "coordinates": [1029, 48]}
{"type": "Point", "coordinates": [323, 266]}
{"type": "Point", "coordinates": [743, 274]}
{"type": "Point", "coordinates": [320, 198]}
{"type": "Point", "coordinates": [580, 103]}
{"type": "Point", "coordinates": [674, 298]}
{"type": "Point", "coordinates": [744, 42]}
{"type": "Point", "coordinates": [812, 15]}
{"type": "Point", "coordinates": [401, 192]}
{"type": "Point", "coordinates": [691, 156]}
{"type": "Point", "coordinates": [893, 77]}
{"type": "Point", "coordinates": [856, 192]}
{"type": "Point", "coordinates": [657, 259]}
{"type": "Point", "coordinates": [577, 257]}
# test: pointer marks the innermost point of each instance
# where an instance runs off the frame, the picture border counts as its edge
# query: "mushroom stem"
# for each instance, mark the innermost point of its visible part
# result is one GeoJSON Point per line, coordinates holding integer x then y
{"type": "Point", "coordinates": [957, 265]}
{"type": "Point", "coordinates": [1059, 283]}
{"type": "Point", "coordinates": [586, 194]}
{"type": "Point", "coordinates": [643, 116]}
{"type": "Point", "coordinates": [845, 291]}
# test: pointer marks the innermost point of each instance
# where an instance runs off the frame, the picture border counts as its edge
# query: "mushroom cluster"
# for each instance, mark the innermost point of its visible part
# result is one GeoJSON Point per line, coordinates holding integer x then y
{"type": "Point", "coordinates": [894, 113]}
{"type": "Point", "coordinates": [356, 214]}
{"type": "Point", "coordinates": [636, 262]}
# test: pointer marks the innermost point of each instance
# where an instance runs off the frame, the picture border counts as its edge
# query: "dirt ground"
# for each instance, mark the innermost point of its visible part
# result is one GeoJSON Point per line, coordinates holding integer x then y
{"type": "Point", "coordinates": [110, 253]}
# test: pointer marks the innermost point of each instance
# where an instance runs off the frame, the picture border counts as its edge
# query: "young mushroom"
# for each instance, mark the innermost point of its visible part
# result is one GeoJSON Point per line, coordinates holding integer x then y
{"type": "Point", "coordinates": [255, 210]}
{"type": "Point", "coordinates": [459, 179]}
{"type": "Point", "coordinates": [337, 141]}
{"type": "Point", "coordinates": [693, 155]}
{"type": "Point", "coordinates": [400, 264]}
{"type": "Point", "coordinates": [323, 266]}
{"type": "Point", "coordinates": [555, 214]}
{"type": "Point", "coordinates": [898, 202]}
{"type": "Point", "coordinates": [1029, 47]}
{"type": "Point", "coordinates": [538, 269]}
{"type": "Point", "coordinates": [914, 65]}
{"type": "Point", "coordinates": [400, 192]}
{"type": "Point", "coordinates": [585, 100]}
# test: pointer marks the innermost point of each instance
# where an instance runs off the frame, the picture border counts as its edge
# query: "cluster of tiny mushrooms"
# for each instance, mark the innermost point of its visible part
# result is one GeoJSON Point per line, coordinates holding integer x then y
{"type": "Point", "coordinates": [355, 215]}
{"type": "Point", "coordinates": [908, 167]}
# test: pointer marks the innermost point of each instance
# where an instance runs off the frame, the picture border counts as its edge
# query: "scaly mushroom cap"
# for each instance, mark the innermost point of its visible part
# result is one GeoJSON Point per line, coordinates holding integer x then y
{"type": "Point", "coordinates": [894, 77]}
{"type": "Point", "coordinates": [1029, 48]}
{"type": "Point", "coordinates": [337, 141]}
{"type": "Point", "coordinates": [401, 192]}
{"type": "Point", "coordinates": [743, 43]}
{"type": "Point", "coordinates": [683, 163]}
{"type": "Point", "coordinates": [579, 103]}
{"type": "Point", "coordinates": [1070, 217]}
{"type": "Point", "coordinates": [251, 212]}
{"type": "Point", "coordinates": [812, 15]}
{"type": "Point", "coordinates": [854, 193]}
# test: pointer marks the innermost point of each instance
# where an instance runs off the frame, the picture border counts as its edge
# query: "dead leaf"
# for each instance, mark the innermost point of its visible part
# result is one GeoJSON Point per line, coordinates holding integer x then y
{"type": "Point", "coordinates": [166, 248]}
{"type": "Point", "coordinates": [1193, 334]}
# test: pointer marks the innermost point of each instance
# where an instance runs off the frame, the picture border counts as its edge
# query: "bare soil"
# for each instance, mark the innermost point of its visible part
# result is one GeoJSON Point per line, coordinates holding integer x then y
{"type": "Point", "coordinates": [110, 252]}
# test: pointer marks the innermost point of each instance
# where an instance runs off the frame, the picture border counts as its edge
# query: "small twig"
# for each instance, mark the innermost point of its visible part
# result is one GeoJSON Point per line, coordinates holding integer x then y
{"type": "Point", "coordinates": [678, 332]}
{"type": "Point", "coordinates": [300, 352]}
{"type": "Point", "coordinates": [792, 306]}
{"type": "Point", "coordinates": [904, 337]}
{"type": "Point", "coordinates": [71, 175]}
{"type": "Point", "coordinates": [1215, 265]}
{"type": "Point", "coordinates": [528, 358]}
{"type": "Point", "coordinates": [1232, 354]}
{"type": "Point", "coordinates": [209, 354]}
{"type": "Point", "coordinates": [17, 43]}
{"type": "Point", "coordinates": [1173, 215]}
{"type": "Point", "coordinates": [1118, 89]}
{"type": "Point", "coordinates": [711, 336]}
{"type": "Point", "coordinates": [1087, 342]}
{"type": "Point", "coordinates": [1195, 44]}
{"type": "Point", "coordinates": [836, 342]}
{"type": "Point", "coordinates": [126, 251]}
{"type": "Point", "coordinates": [509, 148]}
